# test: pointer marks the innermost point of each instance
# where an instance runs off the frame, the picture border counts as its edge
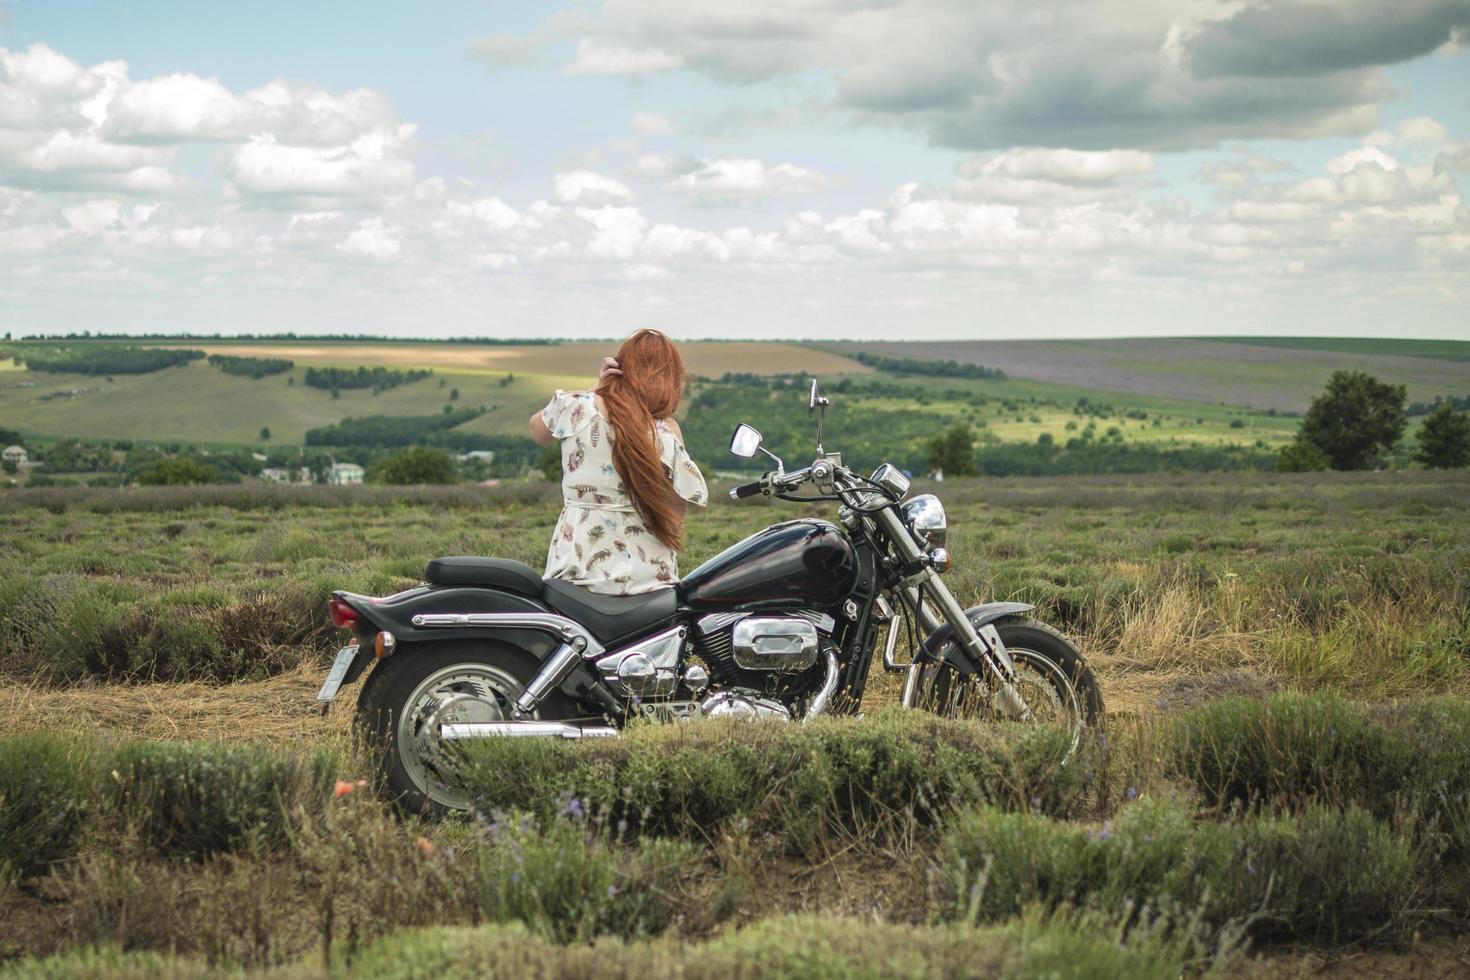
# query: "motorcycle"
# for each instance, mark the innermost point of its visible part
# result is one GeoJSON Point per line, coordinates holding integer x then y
{"type": "Point", "coordinates": [782, 625]}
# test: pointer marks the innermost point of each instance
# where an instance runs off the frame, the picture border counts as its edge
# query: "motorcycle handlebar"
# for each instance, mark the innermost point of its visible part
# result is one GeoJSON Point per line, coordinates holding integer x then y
{"type": "Point", "coordinates": [747, 489]}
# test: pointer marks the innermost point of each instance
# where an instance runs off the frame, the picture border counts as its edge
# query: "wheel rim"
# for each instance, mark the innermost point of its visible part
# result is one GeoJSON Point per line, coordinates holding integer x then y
{"type": "Point", "coordinates": [1042, 683]}
{"type": "Point", "coordinates": [458, 694]}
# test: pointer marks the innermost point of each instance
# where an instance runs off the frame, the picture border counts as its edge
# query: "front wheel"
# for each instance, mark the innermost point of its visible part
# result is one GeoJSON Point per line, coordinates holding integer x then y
{"type": "Point", "coordinates": [420, 688]}
{"type": "Point", "coordinates": [1052, 676]}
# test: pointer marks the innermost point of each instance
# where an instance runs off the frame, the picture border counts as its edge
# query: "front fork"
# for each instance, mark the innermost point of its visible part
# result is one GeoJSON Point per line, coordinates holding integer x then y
{"type": "Point", "coordinates": [988, 651]}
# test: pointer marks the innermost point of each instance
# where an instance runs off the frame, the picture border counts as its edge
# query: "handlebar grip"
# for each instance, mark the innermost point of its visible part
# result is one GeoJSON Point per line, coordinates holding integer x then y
{"type": "Point", "coordinates": [747, 489]}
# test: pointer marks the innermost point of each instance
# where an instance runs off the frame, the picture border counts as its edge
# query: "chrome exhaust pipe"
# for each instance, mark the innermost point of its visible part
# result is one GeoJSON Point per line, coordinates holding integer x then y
{"type": "Point", "coordinates": [523, 729]}
{"type": "Point", "coordinates": [829, 684]}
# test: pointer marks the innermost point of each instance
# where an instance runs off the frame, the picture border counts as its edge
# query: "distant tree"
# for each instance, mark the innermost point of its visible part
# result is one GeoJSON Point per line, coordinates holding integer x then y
{"type": "Point", "coordinates": [953, 452]}
{"type": "Point", "coordinates": [177, 471]}
{"type": "Point", "coordinates": [1356, 419]}
{"type": "Point", "coordinates": [265, 433]}
{"type": "Point", "coordinates": [1444, 439]}
{"type": "Point", "coordinates": [1301, 456]}
{"type": "Point", "coordinates": [290, 381]}
{"type": "Point", "coordinates": [1045, 439]}
{"type": "Point", "coordinates": [454, 394]}
{"type": "Point", "coordinates": [10, 466]}
{"type": "Point", "coordinates": [336, 393]}
{"type": "Point", "coordinates": [550, 463]}
{"type": "Point", "coordinates": [420, 464]}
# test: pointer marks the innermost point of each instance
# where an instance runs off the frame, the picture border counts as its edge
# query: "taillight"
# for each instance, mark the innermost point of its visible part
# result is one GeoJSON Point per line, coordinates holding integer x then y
{"type": "Point", "coordinates": [343, 615]}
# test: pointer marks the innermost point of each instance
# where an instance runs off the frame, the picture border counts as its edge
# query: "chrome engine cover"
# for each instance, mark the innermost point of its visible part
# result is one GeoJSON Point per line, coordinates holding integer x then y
{"type": "Point", "coordinates": [783, 643]}
{"type": "Point", "coordinates": [645, 669]}
{"type": "Point", "coordinates": [742, 704]}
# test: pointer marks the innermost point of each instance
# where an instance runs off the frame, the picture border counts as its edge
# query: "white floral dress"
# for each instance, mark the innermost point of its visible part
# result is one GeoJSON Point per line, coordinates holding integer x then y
{"type": "Point", "coordinates": [600, 542]}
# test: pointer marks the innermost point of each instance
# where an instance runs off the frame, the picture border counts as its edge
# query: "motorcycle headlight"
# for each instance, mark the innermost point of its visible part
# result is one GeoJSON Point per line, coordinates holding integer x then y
{"type": "Point", "coordinates": [891, 478]}
{"type": "Point", "coordinates": [925, 514]}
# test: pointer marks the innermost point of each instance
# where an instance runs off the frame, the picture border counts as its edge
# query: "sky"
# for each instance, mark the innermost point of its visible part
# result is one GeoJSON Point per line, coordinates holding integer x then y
{"type": "Point", "coordinates": [877, 169]}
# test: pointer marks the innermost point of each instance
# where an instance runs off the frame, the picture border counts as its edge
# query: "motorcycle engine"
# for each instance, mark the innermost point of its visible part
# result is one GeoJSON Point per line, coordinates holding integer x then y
{"type": "Point", "coordinates": [761, 653]}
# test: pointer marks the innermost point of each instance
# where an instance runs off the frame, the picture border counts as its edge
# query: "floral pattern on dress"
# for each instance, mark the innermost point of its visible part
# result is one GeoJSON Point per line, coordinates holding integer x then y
{"type": "Point", "coordinates": [600, 542]}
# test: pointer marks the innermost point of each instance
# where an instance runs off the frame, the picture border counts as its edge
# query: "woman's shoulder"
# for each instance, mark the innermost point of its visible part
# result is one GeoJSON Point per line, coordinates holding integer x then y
{"type": "Point", "coordinates": [568, 411]}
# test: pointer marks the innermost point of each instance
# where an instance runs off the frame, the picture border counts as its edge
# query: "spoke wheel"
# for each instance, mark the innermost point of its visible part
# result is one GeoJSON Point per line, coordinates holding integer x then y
{"type": "Point", "coordinates": [1052, 678]}
{"type": "Point", "coordinates": [424, 686]}
{"type": "Point", "coordinates": [457, 694]}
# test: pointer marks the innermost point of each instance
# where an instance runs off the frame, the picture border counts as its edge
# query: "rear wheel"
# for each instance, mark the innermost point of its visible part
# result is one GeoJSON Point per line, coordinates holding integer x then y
{"type": "Point", "coordinates": [1052, 677]}
{"type": "Point", "coordinates": [419, 689]}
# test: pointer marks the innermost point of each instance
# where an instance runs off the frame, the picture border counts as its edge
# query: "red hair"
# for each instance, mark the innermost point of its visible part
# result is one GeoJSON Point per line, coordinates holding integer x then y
{"type": "Point", "coordinates": [649, 388]}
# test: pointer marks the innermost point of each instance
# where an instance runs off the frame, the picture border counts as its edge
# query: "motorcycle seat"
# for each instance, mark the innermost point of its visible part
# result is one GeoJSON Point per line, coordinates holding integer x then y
{"type": "Point", "coordinates": [495, 573]}
{"type": "Point", "coordinates": [609, 617]}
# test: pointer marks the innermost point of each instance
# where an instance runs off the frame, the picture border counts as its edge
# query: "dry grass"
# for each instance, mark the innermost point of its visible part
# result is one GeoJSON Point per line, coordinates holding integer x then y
{"type": "Point", "coordinates": [279, 710]}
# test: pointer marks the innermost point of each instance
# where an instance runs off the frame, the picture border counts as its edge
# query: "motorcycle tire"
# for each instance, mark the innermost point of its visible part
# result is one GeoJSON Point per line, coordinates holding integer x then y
{"type": "Point", "coordinates": [1047, 663]}
{"type": "Point", "coordinates": [455, 677]}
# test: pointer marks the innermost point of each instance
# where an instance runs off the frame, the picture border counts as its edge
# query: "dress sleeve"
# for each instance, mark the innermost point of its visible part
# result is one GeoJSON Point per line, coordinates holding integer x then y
{"type": "Point", "coordinates": [688, 481]}
{"type": "Point", "coordinates": [566, 412]}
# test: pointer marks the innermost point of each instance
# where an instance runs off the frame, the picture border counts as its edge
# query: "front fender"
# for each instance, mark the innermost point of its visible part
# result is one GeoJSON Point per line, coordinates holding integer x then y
{"type": "Point", "coordinates": [957, 656]}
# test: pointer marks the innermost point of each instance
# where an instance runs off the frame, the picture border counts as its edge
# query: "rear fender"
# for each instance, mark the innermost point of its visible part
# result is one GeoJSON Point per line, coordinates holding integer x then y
{"type": "Point", "coordinates": [953, 653]}
{"type": "Point", "coordinates": [395, 614]}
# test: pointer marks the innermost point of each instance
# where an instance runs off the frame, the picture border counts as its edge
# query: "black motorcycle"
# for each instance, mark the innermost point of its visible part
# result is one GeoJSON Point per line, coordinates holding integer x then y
{"type": "Point", "coordinates": [784, 624]}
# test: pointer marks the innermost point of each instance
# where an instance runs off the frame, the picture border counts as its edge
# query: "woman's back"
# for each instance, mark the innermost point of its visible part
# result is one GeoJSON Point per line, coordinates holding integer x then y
{"type": "Point", "coordinates": [600, 541]}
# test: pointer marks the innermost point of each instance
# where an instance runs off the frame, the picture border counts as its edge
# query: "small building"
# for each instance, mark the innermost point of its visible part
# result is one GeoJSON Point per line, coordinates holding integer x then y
{"type": "Point", "coordinates": [345, 473]}
{"type": "Point", "coordinates": [16, 455]}
{"type": "Point", "coordinates": [486, 456]}
{"type": "Point", "coordinates": [276, 474]}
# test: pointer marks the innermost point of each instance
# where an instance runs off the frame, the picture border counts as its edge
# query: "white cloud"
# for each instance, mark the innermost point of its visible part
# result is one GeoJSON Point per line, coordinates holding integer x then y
{"type": "Point", "coordinates": [64, 126]}
{"type": "Point", "coordinates": [1063, 166]}
{"type": "Point", "coordinates": [991, 75]}
{"type": "Point", "coordinates": [372, 239]}
{"type": "Point", "coordinates": [368, 166]}
{"type": "Point", "coordinates": [91, 217]}
{"type": "Point", "coordinates": [598, 57]}
{"type": "Point", "coordinates": [590, 189]}
{"type": "Point", "coordinates": [724, 181]}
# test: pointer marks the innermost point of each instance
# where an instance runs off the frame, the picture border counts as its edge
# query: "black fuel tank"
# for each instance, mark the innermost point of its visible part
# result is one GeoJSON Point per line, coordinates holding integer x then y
{"type": "Point", "coordinates": [798, 564]}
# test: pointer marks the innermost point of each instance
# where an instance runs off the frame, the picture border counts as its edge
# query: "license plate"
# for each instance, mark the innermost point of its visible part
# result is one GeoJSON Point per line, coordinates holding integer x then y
{"type": "Point", "coordinates": [340, 666]}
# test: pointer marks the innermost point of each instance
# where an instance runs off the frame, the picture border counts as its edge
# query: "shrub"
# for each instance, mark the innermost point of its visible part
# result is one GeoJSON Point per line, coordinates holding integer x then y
{"type": "Point", "coordinates": [194, 799]}
{"type": "Point", "coordinates": [178, 471]}
{"type": "Point", "coordinates": [46, 785]}
{"type": "Point", "coordinates": [1322, 874]}
{"type": "Point", "coordinates": [570, 884]}
{"type": "Point", "coordinates": [783, 947]}
{"type": "Point", "coordinates": [799, 783]}
{"type": "Point", "coordinates": [1293, 749]}
{"type": "Point", "coordinates": [419, 465]}
{"type": "Point", "coordinates": [1286, 750]}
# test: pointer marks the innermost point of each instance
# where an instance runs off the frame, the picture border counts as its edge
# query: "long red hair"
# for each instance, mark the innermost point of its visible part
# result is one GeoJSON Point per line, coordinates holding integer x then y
{"type": "Point", "coordinates": [649, 388]}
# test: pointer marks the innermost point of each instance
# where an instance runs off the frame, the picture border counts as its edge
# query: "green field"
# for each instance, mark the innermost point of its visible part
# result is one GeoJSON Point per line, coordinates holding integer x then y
{"type": "Point", "coordinates": [1238, 372]}
{"type": "Point", "coordinates": [1193, 391]}
{"type": "Point", "coordinates": [1282, 780]}
{"type": "Point", "coordinates": [1444, 350]}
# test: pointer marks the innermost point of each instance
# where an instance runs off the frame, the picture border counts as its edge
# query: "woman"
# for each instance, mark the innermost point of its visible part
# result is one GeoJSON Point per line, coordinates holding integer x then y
{"type": "Point", "coordinates": [626, 477]}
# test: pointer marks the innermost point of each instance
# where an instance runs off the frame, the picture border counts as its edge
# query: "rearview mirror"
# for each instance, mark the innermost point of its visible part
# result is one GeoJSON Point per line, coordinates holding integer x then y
{"type": "Point", "coordinates": [745, 442]}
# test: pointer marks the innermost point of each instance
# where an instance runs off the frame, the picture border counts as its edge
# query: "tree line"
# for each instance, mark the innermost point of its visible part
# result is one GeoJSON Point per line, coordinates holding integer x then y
{"type": "Point", "coordinates": [334, 378]}
{"type": "Point", "coordinates": [932, 368]}
{"type": "Point", "coordinates": [101, 360]}
{"type": "Point", "coordinates": [251, 367]}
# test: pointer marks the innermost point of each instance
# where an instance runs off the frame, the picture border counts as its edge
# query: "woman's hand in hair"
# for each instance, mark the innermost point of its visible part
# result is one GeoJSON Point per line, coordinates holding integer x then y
{"type": "Point", "coordinates": [610, 369]}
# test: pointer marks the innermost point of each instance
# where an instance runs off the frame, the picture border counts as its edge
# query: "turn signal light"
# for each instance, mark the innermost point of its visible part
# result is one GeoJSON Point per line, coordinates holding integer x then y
{"type": "Point", "coordinates": [383, 644]}
{"type": "Point", "coordinates": [940, 561]}
{"type": "Point", "coordinates": [343, 615]}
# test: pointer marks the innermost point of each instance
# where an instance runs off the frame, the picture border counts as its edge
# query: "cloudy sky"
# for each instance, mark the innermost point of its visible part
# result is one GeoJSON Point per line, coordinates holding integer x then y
{"type": "Point", "coordinates": [737, 168]}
